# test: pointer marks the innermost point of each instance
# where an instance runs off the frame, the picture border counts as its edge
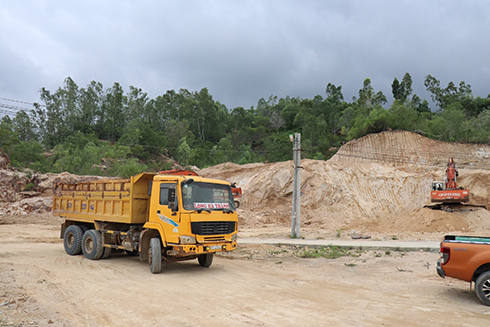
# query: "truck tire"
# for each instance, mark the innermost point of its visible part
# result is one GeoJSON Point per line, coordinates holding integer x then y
{"type": "Point", "coordinates": [205, 260]}
{"type": "Point", "coordinates": [482, 288]}
{"type": "Point", "coordinates": [92, 244]}
{"type": "Point", "coordinates": [155, 256]}
{"type": "Point", "coordinates": [237, 204]}
{"type": "Point", "coordinates": [72, 240]}
{"type": "Point", "coordinates": [106, 253]}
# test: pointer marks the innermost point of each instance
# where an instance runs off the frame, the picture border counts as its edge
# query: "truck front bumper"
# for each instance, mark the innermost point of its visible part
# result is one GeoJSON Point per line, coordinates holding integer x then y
{"type": "Point", "coordinates": [439, 269]}
{"type": "Point", "coordinates": [196, 249]}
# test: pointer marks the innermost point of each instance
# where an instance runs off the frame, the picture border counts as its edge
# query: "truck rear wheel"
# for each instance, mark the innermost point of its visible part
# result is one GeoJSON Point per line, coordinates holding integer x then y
{"type": "Point", "coordinates": [155, 256]}
{"type": "Point", "coordinates": [205, 260]}
{"type": "Point", "coordinates": [72, 240]}
{"type": "Point", "coordinates": [106, 253]}
{"type": "Point", "coordinates": [482, 288]}
{"type": "Point", "coordinates": [92, 245]}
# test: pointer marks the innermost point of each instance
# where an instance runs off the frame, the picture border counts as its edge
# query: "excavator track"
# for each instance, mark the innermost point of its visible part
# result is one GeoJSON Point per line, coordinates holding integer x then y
{"type": "Point", "coordinates": [455, 207]}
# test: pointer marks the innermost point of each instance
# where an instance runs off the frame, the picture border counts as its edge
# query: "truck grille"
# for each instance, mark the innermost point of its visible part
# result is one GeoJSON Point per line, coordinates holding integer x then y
{"type": "Point", "coordinates": [212, 227]}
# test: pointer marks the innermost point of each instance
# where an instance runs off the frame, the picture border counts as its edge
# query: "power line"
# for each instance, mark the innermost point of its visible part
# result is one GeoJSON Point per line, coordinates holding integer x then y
{"type": "Point", "coordinates": [18, 101]}
{"type": "Point", "coordinates": [14, 108]}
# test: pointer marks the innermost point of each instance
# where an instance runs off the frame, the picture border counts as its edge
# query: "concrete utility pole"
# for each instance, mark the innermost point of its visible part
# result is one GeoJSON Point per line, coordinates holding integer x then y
{"type": "Point", "coordinates": [296, 215]}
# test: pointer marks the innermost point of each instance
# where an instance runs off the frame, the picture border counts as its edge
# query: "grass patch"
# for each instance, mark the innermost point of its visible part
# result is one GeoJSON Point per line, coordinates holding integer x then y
{"type": "Point", "coordinates": [329, 252]}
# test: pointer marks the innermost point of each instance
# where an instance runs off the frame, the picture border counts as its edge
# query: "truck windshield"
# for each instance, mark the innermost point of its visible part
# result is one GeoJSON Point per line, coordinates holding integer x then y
{"type": "Point", "coordinates": [207, 196]}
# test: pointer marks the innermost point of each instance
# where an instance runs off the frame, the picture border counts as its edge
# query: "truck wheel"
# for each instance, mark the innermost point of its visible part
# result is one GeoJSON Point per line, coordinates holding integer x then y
{"type": "Point", "coordinates": [92, 245]}
{"type": "Point", "coordinates": [155, 256]}
{"type": "Point", "coordinates": [237, 204]}
{"type": "Point", "coordinates": [482, 288]}
{"type": "Point", "coordinates": [106, 252]}
{"type": "Point", "coordinates": [72, 240]}
{"type": "Point", "coordinates": [205, 260]}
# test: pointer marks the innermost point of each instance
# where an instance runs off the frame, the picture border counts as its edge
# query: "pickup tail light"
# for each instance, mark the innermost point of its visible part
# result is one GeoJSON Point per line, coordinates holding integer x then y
{"type": "Point", "coordinates": [445, 255]}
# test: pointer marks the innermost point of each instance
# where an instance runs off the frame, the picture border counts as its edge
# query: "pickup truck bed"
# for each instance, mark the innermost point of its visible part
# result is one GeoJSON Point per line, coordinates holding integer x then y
{"type": "Point", "coordinates": [467, 258]}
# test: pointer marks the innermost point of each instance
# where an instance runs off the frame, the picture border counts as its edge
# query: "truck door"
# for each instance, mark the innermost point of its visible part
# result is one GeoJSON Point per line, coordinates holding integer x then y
{"type": "Point", "coordinates": [167, 211]}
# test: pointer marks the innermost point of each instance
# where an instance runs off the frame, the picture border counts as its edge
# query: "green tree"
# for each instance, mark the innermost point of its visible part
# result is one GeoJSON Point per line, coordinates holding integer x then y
{"type": "Point", "coordinates": [23, 126]}
{"type": "Point", "coordinates": [444, 97]}
{"type": "Point", "coordinates": [112, 119]}
{"type": "Point", "coordinates": [448, 125]}
{"type": "Point", "coordinates": [175, 131]}
{"type": "Point", "coordinates": [367, 96]}
{"type": "Point", "coordinates": [184, 152]}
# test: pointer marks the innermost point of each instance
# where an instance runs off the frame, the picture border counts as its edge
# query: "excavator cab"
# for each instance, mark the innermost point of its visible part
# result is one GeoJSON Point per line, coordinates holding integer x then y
{"type": "Point", "coordinates": [437, 186]}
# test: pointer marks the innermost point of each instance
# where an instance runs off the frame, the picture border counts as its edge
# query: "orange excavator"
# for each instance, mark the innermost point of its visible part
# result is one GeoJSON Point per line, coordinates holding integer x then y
{"type": "Point", "coordinates": [447, 192]}
{"type": "Point", "coordinates": [235, 190]}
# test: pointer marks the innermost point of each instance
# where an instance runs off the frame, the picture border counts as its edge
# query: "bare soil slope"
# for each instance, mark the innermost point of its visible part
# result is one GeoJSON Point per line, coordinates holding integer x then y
{"type": "Point", "coordinates": [376, 184]}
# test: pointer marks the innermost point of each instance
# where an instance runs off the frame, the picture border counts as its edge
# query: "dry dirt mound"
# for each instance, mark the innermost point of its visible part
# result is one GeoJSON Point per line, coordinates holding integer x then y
{"type": "Point", "coordinates": [381, 181]}
{"type": "Point", "coordinates": [23, 193]}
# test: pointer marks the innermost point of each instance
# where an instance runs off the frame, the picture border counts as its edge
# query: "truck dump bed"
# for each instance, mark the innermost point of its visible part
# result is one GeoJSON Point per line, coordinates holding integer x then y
{"type": "Point", "coordinates": [120, 201]}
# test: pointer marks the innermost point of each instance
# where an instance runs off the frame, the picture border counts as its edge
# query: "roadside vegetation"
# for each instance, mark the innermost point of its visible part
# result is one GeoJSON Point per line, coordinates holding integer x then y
{"type": "Point", "coordinates": [107, 131]}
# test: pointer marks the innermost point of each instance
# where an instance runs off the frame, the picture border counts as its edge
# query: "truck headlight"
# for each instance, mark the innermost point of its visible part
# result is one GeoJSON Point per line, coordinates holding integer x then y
{"type": "Point", "coordinates": [184, 239]}
{"type": "Point", "coordinates": [234, 237]}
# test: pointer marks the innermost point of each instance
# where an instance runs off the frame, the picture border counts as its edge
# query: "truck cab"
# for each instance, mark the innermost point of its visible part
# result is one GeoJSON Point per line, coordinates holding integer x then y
{"type": "Point", "coordinates": [190, 216]}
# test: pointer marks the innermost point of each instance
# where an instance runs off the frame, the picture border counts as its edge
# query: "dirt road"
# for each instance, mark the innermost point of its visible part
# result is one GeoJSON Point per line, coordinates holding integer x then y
{"type": "Point", "coordinates": [257, 286]}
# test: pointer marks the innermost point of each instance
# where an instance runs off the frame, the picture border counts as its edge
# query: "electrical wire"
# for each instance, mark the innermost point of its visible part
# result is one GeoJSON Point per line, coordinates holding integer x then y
{"type": "Point", "coordinates": [18, 101]}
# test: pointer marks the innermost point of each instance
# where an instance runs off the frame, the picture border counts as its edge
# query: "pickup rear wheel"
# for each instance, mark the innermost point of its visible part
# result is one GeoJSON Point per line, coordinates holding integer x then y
{"type": "Point", "coordinates": [72, 240]}
{"type": "Point", "coordinates": [155, 256]}
{"type": "Point", "coordinates": [92, 245]}
{"type": "Point", "coordinates": [482, 288]}
{"type": "Point", "coordinates": [205, 260]}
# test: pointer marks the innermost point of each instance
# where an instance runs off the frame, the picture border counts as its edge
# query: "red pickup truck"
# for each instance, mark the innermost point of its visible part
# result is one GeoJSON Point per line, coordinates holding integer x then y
{"type": "Point", "coordinates": [467, 258]}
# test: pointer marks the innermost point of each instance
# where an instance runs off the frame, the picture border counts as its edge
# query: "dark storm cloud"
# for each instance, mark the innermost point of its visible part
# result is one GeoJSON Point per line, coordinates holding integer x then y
{"type": "Point", "coordinates": [242, 50]}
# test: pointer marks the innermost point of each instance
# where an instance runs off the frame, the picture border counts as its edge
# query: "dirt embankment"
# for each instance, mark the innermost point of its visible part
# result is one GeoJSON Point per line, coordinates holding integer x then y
{"type": "Point", "coordinates": [376, 184]}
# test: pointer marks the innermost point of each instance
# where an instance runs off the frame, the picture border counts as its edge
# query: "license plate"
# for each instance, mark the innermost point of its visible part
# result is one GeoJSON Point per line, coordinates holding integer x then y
{"type": "Point", "coordinates": [215, 247]}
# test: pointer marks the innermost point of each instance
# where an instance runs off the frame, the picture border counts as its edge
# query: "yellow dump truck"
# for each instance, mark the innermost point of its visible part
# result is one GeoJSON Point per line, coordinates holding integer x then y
{"type": "Point", "coordinates": [158, 217]}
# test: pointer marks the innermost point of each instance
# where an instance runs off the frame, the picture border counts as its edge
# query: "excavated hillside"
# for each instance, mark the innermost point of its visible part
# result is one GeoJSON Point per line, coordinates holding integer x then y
{"type": "Point", "coordinates": [376, 184]}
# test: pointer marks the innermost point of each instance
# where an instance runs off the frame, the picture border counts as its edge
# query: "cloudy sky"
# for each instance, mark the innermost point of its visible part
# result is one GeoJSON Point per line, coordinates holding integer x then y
{"type": "Point", "coordinates": [242, 50]}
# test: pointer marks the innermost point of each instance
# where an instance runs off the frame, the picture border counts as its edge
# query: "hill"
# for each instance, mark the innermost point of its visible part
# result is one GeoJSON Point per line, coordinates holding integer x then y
{"type": "Point", "coordinates": [375, 184]}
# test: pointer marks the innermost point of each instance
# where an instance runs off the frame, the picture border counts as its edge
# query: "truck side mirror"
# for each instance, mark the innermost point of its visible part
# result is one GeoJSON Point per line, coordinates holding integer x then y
{"type": "Point", "coordinates": [171, 195]}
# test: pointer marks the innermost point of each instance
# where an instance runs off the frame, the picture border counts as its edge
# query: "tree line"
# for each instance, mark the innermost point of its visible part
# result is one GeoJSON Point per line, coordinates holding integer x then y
{"type": "Point", "coordinates": [107, 131]}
